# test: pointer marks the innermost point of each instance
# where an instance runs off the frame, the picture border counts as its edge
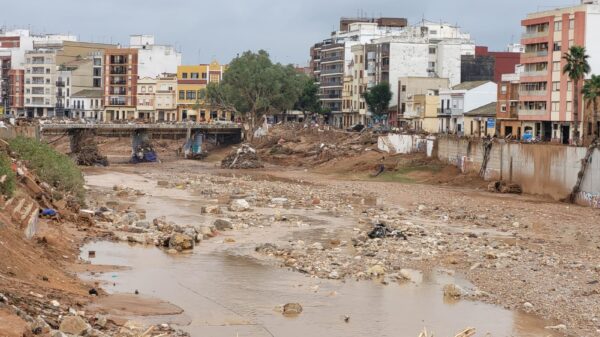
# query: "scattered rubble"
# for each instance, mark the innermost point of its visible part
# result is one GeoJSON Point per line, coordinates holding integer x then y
{"type": "Point", "coordinates": [501, 186]}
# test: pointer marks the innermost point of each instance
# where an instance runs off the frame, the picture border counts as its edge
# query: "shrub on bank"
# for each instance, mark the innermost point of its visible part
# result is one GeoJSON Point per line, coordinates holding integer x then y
{"type": "Point", "coordinates": [51, 166]}
{"type": "Point", "coordinates": [7, 176]}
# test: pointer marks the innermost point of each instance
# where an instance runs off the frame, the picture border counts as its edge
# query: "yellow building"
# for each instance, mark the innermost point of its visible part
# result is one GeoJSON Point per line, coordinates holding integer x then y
{"type": "Point", "coordinates": [481, 122]}
{"type": "Point", "coordinates": [191, 80]}
{"type": "Point", "coordinates": [426, 107]}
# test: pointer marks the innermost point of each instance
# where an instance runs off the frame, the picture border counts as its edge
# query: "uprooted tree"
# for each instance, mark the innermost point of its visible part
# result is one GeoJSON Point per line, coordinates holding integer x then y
{"type": "Point", "coordinates": [254, 86]}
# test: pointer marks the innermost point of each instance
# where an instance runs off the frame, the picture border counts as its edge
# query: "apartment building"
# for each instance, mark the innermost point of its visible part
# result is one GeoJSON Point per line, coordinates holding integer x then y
{"type": "Point", "coordinates": [166, 98]}
{"type": "Point", "coordinates": [488, 65]}
{"type": "Point", "coordinates": [545, 93]}
{"type": "Point", "coordinates": [508, 105]}
{"type": "Point", "coordinates": [332, 57]}
{"type": "Point", "coordinates": [424, 116]}
{"type": "Point", "coordinates": [191, 80]}
{"type": "Point", "coordinates": [40, 78]}
{"type": "Point", "coordinates": [16, 99]}
{"type": "Point", "coordinates": [120, 83]}
{"type": "Point", "coordinates": [146, 96]}
{"type": "Point", "coordinates": [154, 59]}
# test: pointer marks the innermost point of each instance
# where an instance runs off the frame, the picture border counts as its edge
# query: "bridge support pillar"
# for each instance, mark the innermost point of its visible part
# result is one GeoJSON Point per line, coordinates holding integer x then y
{"type": "Point", "coordinates": [84, 149]}
{"type": "Point", "coordinates": [142, 150]}
{"type": "Point", "coordinates": [193, 144]}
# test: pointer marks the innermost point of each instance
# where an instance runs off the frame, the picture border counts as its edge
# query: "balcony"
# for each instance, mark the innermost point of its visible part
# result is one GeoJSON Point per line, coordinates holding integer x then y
{"type": "Point", "coordinates": [34, 61]}
{"type": "Point", "coordinates": [533, 35]}
{"type": "Point", "coordinates": [338, 71]}
{"type": "Point", "coordinates": [114, 81]}
{"type": "Point", "coordinates": [540, 53]}
{"type": "Point", "coordinates": [536, 73]}
{"type": "Point", "coordinates": [116, 91]}
{"type": "Point", "coordinates": [331, 96]}
{"type": "Point", "coordinates": [533, 93]}
{"type": "Point", "coordinates": [38, 71]}
{"type": "Point", "coordinates": [118, 60]}
{"type": "Point", "coordinates": [118, 70]}
{"type": "Point", "coordinates": [338, 58]}
{"type": "Point", "coordinates": [60, 84]}
{"type": "Point", "coordinates": [531, 112]}
{"type": "Point", "coordinates": [455, 111]}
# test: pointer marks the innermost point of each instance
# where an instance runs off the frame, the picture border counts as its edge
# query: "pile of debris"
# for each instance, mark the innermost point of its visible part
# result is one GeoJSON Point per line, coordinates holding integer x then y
{"type": "Point", "coordinates": [144, 153]}
{"type": "Point", "coordinates": [84, 149]}
{"type": "Point", "coordinates": [243, 158]}
{"type": "Point", "coordinates": [501, 186]}
{"type": "Point", "coordinates": [295, 145]}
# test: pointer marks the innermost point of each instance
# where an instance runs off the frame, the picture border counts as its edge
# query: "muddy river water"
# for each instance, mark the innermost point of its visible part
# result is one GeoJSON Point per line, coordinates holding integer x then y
{"type": "Point", "coordinates": [225, 291]}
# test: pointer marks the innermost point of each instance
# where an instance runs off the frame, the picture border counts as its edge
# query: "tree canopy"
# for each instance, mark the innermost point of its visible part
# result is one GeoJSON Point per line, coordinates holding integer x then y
{"type": "Point", "coordinates": [378, 99]}
{"type": "Point", "coordinates": [309, 98]}
{"type": "Point", "coordinates": [591, 92]}
{"type": "Point", "coordinates": [576, 67]}
{"type": "Point", "coordinates": [253, 85]}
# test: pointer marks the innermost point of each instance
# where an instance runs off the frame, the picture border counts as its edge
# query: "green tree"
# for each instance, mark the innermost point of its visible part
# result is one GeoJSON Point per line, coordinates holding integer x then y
{"type": "Point", "coordinates": [309, 98]}
{"type": "Point", "coordinates": [576, 67]}
{"type": "Point", "coordinates": [591, 93]}
{"type": "Point", "coordinates": [253, 86]}
{"type": "Point", "coordinates": [378, 99]}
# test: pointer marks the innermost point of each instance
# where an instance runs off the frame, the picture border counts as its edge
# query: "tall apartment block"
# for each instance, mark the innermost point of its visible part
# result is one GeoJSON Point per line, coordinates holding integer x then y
{"type": "Point", "coordinates": [545, 93]}
{"type": "Point", "coordinates": [120, 83]}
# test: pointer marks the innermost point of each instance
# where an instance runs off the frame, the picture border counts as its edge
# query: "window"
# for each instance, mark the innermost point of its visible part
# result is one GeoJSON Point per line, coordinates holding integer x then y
{"type": "Point", "coordinates": [572, 24]}
{"type": "Point", "coordinates": [556, 66]}
{"type": "Point", "coordinates": [191, 94]}
{"type": "Point", "coordinates": [503, 108]}
{"type": "Point", "coordinates": [557, 46]}
{"type": "Point", "coordinates": [555, 86]}
{"type": "Point", "coordinates": [432, 50]}
{"type": "Point", "coordinates": [570, 86]}
{"type": "Point", "coordinates": [183, 75]}
{"type": "Point", "coordinates": [431, 65]}
{"type": "Point", "coordinates": [503, 89]}
{"type": "Point", "coordinates": [150, 89]}
{"type": "Point", "coordinates": [194, 75]}
{"type": "Point", "coordinates": [361, 59]}
{"type": "Point", "coordinates": [143, 89]}
{"type": "Point", "coordinates": [569, 106]}
{"type": "Point", "coordinates": [403, 88]}
{"type": "Point", "coordinates": [203, 76]}
{"type": "Point", "coordinates": [557, 26]}
{"type": "Point", "coordinates": [181, 94]}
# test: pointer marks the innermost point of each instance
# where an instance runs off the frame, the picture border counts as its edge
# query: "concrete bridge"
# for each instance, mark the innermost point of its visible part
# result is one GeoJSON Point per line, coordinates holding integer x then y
{"type": "Point", "coordinates": [194, 135]}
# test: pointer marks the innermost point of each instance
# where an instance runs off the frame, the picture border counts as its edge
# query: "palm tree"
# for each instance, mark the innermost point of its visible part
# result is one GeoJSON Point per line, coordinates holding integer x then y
{"type": "Point", "coordinates": [591, 92]}
{"type": "Point", "coordinates": [576, 67]}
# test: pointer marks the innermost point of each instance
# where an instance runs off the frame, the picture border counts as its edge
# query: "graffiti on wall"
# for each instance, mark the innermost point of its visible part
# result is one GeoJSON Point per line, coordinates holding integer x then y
{"type": "Point", "coordinates": [589, 199]}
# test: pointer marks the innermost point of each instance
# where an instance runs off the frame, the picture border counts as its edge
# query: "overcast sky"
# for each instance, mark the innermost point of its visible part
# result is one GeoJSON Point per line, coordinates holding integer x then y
{"type": "Point", "coordinates": [219, 29]}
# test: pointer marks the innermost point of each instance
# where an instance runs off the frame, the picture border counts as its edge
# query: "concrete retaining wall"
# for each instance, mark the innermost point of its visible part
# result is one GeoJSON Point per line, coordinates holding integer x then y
{"type": "Point", "coordinates": [11, 132]}
{"type": "Point", "coordinates": [542, 169]}
{"type": "Point", "coordinates": [404, 144]}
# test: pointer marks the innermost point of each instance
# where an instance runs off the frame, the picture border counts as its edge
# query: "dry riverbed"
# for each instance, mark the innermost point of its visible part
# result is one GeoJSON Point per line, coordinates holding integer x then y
{"type": "Point", "coordinates": [522, 253]}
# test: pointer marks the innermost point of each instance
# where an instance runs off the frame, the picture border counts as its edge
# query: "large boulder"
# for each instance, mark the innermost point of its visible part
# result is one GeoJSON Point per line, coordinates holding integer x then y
{"type": "Point", "coordinates": [74, 325]}
{"type": "Point", "coordinates": [239, 205]}
{"type": "Point", "coordinates": [222, 224]}
{"type": "Point", "coordinates": [181, 242]}
{"type": "Point", "coordinates": [292, 309]}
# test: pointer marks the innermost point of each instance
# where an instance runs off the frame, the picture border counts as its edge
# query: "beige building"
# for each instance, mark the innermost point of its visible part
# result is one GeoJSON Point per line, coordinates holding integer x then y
{"type": "Point", "coordinates": [425, 107]}
{"type": "Point", "coordinates": [165, 102]}
{"type": "Point", "coordinates": [481, 122]}
{"type": "Point", "coordinates": [359, 84]}
{"type": "Point", "coordinates": [348, 114]}
{"type": "Point", "coordinates": [411, 87]}
{"type": "Point", "coordinates": [40, 81]}
{"type": "Point", "coordinates": [146, 97]}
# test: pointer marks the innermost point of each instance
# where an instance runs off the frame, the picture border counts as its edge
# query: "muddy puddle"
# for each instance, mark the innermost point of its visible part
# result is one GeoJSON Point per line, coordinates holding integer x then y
{"type": "Point", "coordinates": [224, 291]}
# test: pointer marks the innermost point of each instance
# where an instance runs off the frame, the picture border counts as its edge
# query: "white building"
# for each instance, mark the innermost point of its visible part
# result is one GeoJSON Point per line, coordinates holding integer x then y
{"type": "Point", "coordinates": [423, 50]}
{"type": "Point", "coordinates": [463, 98]}
{"type": "Point", "coordinates": [153, 59]}
{"type": "Point", "coordinates": [87, 104]}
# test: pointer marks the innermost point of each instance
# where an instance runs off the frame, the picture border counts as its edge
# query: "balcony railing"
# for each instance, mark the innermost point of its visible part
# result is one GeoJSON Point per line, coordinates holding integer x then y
{"type": "Point", "coordinates": [539, 53]}
{"type": "Point", "coordinates": [332, 96]}
{"type": "Point", "coordinates": [332, 58]}
{"type": "Point", "coordinates": [533, 92]}
{"type": "Point", "coordinates": [118, 82]}
{"type": "Point", "coordinates": [37, 72]}
{"type": "Point", "coordinates": [532, 112]}
{"type": "Point", "coordinates": [37, 61]}
{"type": "Point", "coordinates": [332, 71]}
{"type": "Point", "coordinates": [535, 73]}
{"type": "Point", "coordinates": [533, 35]}
{"type": "Point", "coordinates": [60, 83]}
{"type": "Point", "coordinates": [454, 111]}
